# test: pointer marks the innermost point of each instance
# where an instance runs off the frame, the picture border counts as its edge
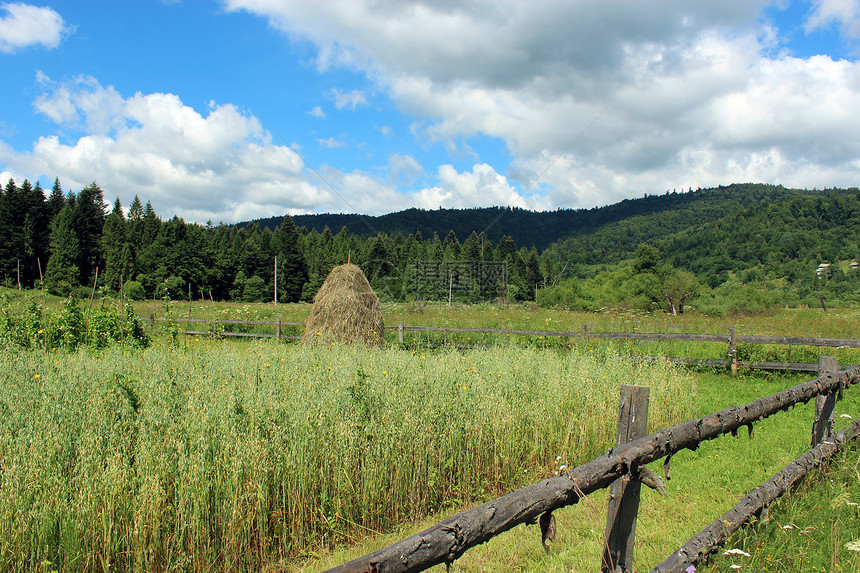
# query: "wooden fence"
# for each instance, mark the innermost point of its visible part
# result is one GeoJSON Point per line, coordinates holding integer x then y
{"type": "Point", "coordinates": [730, 339]}
{"type": "Point", "coordinates": [216, 327]}
{"type": "Point", "coordinates": [624, 466]}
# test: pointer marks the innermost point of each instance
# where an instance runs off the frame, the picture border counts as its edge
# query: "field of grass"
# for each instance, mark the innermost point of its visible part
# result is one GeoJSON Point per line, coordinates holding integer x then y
{"type": "Point", "coordinates": [195, 454]}
{"type": "Point", "coordinates": [238, 457]}
{"type": "Point", "coordinates": [705, 484]}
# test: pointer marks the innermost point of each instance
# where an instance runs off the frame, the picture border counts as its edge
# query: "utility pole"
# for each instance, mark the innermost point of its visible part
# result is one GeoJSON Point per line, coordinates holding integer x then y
{"type": "Point", "coordinates": [276, 280]}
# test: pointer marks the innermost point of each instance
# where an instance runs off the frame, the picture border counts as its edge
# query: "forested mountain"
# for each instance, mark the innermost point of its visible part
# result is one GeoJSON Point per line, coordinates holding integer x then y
{"type": "Point", "coordinates": [774, 240]}
{"type": "Point", "coordinates": [693, 241]}
{"type": "Point", "coordinates": [540, 229]}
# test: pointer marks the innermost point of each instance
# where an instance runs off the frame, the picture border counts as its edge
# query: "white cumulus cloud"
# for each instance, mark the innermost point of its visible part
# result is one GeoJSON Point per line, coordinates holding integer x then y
{"type": "Point", "coordinates": [844, 13]}
{"type": "Point", "coordinates": [597, 101]}
{"type": "Point", "coordinates": [351, 99]}
{"type": "Point", "coordinates": [220, 166]}
{"type": "Point", "coordinates": [25, 25]}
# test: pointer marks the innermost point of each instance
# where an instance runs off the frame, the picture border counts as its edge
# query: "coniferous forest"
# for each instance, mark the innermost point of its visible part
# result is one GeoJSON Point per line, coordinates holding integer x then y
{"type": "Point", "coordinates": [740, 248]}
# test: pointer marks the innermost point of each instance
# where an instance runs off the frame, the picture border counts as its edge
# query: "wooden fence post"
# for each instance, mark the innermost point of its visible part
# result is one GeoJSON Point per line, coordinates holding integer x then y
{"type": "Point", "coordinates": [277, 330]}
{"type": "Point", "coordinates": [825, 405]}
{"type": "Point", "coordinates": [400, 332]}
{"type": "Point", "coordinates": [624, 492]}
{"type": "Point", "coordinates": [733, 350]}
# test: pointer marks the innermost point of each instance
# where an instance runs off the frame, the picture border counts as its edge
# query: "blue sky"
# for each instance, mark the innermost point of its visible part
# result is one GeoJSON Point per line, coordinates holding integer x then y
{"type": "Point", "coordinates": [228, 110]}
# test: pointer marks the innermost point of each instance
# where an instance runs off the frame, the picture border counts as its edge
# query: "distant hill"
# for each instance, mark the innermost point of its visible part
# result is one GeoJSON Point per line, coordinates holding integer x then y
{"type": "Point", "coordinates": [593, 233]}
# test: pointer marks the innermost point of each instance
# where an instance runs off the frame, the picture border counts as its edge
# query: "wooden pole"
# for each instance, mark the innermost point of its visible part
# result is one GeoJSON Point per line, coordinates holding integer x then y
{"type": "Point", "coordinates": [89, 306]}
{"type": "Point", "coordinates": [278, 331]}
{"type": "Point", "coordinates": [624, 492]}
{"type": "Point", "coordinates": [276, 280]}
{"type": "Point", "coordinates": [733, 350]}
{"type": "Point", "coordinates": [400, 329]}
{"type": "Point", "coordinates": [188, 320]}
{"type": "Point", "coordinates": [449, 539]}
{"type": "Point", "coordinates": [825, 404]}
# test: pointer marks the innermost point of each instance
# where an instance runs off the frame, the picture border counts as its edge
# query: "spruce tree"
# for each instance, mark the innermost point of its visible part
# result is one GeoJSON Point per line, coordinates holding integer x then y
{"type": "Point", "coordinates": [11, 220]}
{"type": "Point", "coordinates": [292, 269]}
{"type": "Point", "coordinates": [62, 273]}
{"type": "Point", "coordinates": [113, 243]}
{"type": "Point", "coordinates": [88, 221]}
{"type": "Point", "coordinates": [56, 200]}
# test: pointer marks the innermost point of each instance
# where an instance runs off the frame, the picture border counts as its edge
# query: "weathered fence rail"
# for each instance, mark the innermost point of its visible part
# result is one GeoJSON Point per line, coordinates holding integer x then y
{"type": "Point", "coordinates": [450, 538]}
{"type": "Point", "coordinates": [214, 331]}
{"type": "Point", "coordinates": [585, 334]}
{"type": "Point", "coordinates": [729, 338]}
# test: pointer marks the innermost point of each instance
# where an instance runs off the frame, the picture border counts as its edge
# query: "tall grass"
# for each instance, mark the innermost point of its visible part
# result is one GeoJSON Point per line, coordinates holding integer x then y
{"type": "Point", "coordinates": [817, 528]}
{"type": "Point", "coordinates": [232, 457]}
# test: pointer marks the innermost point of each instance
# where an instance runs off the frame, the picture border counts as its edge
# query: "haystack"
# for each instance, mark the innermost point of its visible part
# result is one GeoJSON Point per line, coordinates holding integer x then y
{"type": "Point", "coordinates": [345, 310]}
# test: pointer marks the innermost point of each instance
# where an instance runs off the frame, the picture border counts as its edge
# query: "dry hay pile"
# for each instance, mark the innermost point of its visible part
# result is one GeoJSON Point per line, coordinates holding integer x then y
{"type": "Point", "coordinates": [345, 310]}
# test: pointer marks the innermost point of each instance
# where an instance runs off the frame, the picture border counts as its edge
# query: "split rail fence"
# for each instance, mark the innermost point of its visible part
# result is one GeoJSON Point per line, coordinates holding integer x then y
{"type": "Point", "coordinates": [623, 470]}
{"type": "Point", "coordinates": [730, 338]}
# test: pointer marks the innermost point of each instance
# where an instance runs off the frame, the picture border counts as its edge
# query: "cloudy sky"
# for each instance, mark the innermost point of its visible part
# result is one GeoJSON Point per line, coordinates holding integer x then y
{"type": "Point", "coordinates": [228, 110]}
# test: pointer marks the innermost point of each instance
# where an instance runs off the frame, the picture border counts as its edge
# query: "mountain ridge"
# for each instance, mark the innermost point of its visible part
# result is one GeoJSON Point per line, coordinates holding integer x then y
{"type": "Point", "coordinates": [542, 229]}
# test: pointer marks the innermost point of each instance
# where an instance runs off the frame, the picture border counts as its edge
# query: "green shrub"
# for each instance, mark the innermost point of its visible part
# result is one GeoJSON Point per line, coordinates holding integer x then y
{"type": "Point", "coordinates": [566, 295]}
{"type": "Point", "coordinates": [67, 327]}
{"type": "Point", "coordinates": [737, 298]}
{"type": "Point", "coordinates": [134, 290]}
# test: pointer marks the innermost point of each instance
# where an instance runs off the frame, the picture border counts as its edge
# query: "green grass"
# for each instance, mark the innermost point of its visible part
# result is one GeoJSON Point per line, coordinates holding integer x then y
{"type": "Point", "coordinates": [705, 484]}
{"type": "Point", "coordinates": [240, 457]}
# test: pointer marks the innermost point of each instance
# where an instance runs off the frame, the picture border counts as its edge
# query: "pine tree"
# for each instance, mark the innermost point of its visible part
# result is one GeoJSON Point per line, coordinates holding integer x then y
{"type": "Point", "coordinates": [292, 269]}
{"type": "Point", "coordinates": [113, 243]}
{"type": "Point", "coordinates": [88, 222]}
{"type": "Point", "coordinates": [11, 221]}
{"type": "Point", "coordinates": [471, 250]}
{"type": "Point", "coordinates": [62, 273]}
{"type": "Point", "coordinates": [56, 201]}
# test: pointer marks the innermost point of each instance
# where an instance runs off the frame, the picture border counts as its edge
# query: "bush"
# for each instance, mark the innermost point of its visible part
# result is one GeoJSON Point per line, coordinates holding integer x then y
{"type": "Point", "coordinates": [172, 287]}
{"type": "Point", "coordinates": [736, 298]}
{"type": "Point", "coordinates": [255, 290]}
{"type": "Point", "coordinates": [134, 291]}
{"type": "Point", "coordinates": [566, 295]}
{"type": "Point", "coordinates": [67, 327]}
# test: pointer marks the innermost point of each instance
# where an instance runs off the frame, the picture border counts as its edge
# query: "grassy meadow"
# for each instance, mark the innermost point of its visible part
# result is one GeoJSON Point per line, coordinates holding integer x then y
{"type": "Point", "coordinates": [705, 484]}
{"type": "Point", "coordinates": [238, 455]}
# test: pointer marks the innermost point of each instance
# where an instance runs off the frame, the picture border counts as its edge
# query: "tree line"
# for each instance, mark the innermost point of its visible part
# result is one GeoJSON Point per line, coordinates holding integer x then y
{"type": "Point", "coordinates": [729, 249]}
{"type": "Point", "coordinates": [69, 242]}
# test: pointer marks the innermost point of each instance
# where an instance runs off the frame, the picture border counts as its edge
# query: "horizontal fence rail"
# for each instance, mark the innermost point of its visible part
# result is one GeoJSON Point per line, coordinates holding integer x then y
{"type": "Point", "coordinates": [450, 538]}
{"type": "Point", "coordinates": [278, 324]}
{"type": "Point", "coordinates": [716, 534]}
{"type": "Point", "coordinates": [585, 334]}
